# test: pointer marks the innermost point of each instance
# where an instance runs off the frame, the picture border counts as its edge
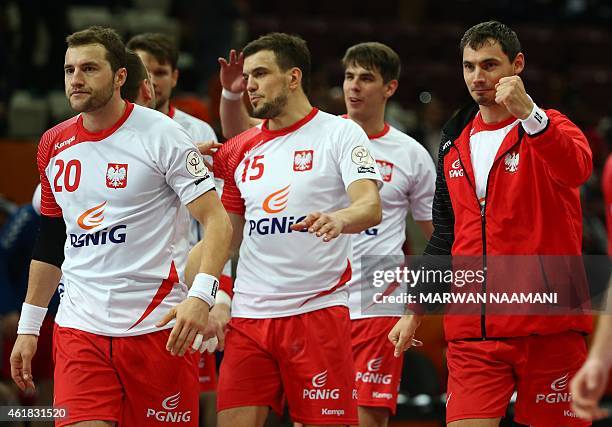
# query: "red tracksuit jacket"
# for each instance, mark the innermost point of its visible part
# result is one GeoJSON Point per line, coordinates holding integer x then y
{"type": "Point", "coordinates": [532, 209]}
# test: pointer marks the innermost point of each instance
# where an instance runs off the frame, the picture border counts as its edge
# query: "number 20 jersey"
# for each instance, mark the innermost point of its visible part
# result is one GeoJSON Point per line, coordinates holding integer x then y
{"type": "Point", "coordinates": [120, 193]}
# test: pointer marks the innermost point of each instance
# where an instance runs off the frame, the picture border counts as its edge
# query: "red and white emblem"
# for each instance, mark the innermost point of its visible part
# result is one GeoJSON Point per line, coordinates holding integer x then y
{"type": "Point", "coordinates": [386, 169]}
{"type": "Point", "coordinates": [302, 160]}
{"type": "Point", "coordinates": [116, 175]}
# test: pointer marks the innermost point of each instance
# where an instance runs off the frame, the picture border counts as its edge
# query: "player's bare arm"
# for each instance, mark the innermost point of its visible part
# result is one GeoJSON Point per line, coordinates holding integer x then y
{"type": "Point", "coordinates": [364, 211]}
{"type": "Point", "coordinates": [192, 314]}
{"type": "Point", "coordinates": [237, 222]}
{"type": "Point", "coordinates": [43, 281]}
{"type": "Point", "coordinates": [232, 111]}
{"type": "Point", "coordinates": [221, 313]}
{"type": "Point", "coordinates": [426, 227]}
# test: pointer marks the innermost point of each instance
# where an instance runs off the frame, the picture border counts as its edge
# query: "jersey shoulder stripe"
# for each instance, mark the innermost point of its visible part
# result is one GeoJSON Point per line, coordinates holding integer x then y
{"type": "Point", "coordinates": [50, 142]}
{"type": "Point", "coordinates": [226, 162]}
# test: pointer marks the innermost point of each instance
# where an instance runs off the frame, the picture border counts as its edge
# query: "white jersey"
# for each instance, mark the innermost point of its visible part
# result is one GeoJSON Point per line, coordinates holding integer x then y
{"type": "Point", "coordinates": [199, 131]}
{"type": "Point", "coordinates": [121, 192]}
{"type": "Point", "coordinates": [274, 179]}
{"type": "Point", "coordinates": [409, 175]}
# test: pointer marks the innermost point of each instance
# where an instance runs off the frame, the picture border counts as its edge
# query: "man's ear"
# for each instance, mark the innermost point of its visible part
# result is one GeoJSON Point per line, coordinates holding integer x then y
{"type": "Point", "coordinates": [518, 63]}
{"type": "Point", "coordinates": [295, 78]}
{"type": "Point", "coordinates": [120, 76]}
{"type": "Point", "coordinates": [390, 88]}
{"type": "Point", "coordinates": [145, 94]}
{"type": "Point", "coordinates": [175, 76]}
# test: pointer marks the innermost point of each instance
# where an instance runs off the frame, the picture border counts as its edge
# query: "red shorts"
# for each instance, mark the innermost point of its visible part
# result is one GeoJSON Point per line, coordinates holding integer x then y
{"type": "Point", "coordinates": [208, 372]}
{"type": "Point", "coordinates": [305, 358]}
{"type": "Point", "coordinates": [484, 374]}
{"type": "Point", "coordinates": [378, 372]}
{"type": "Point", "coordinates": [134, 381]}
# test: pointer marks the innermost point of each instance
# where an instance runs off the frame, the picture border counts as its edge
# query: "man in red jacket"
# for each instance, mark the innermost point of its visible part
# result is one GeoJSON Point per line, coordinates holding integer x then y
{"type": "Point", "coordinates": [507, 185]}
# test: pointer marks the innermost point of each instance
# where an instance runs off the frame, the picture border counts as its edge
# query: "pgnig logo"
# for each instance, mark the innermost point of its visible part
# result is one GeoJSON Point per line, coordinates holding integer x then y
{"type": "Point", "coordinates": [319, 391]}
{"type": "Point", "coordinates": [559, 392]}
{"type": "Point", "coordinates": [275, 225]}
{"type": "Point", "coordinates": [169, 412]}
{"type": "Point", "coordinates": [93, 218]}
{"type": "Point", "coordinates": [114, 235]}
{"type": "Point", "coordinates": [275, 203]}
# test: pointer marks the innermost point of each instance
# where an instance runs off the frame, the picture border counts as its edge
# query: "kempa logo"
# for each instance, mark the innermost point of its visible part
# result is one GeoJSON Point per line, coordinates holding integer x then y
{"type": "Point", "coordinates": [372, 376]}
{"type": "Point", "coordinates": [456, 170]}
{"type": "Point", "coordinates": [377, 395]}
{"type": "Point", "coordinates": [336, 412]}
{"type": "Point", "coordinates": [559, 395]}
{"type": "Point", "coordinates": [69, 141]}
{"type": "Point", "coordinates": [319, 391]}
{"type": "Point", "coordinates": [169, 415]}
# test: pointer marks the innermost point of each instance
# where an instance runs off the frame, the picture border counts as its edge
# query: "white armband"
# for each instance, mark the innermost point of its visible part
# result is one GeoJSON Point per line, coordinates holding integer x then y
{"type": "Point", "coordinates": [231, 96]}
{"type": "Point", "coordinates": [536, 121]}
{"type": "Point", "coordinates": [31, 319]}
{"type": "Point", "coordinates": [205, 288]}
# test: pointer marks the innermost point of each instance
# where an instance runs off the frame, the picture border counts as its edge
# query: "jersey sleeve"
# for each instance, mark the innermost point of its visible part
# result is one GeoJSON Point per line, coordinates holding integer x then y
{"type": "Point", "coordinates": [183, 165]}
{"type": "Point", "coordinates": [224, 167]}
{"type": "Point", "coordinates": [355, 159]}
{"type": "Point", "coordinates": [48, 204]}
{"type": "Point", "coordinates": [422, 185]}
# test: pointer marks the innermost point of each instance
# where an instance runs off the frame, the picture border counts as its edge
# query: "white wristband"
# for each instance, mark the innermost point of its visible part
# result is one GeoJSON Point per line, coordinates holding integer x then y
{"type": "Point", "coordinates": [223, 298]}
{"type": "Point", "coordinates": [536, 121]}
{"type": "Point", "coordinates": [31, 319]}
{"type": "Point", "coordinates": [204, 287]}
{"type": "Point", "coordinates": [231, 96]}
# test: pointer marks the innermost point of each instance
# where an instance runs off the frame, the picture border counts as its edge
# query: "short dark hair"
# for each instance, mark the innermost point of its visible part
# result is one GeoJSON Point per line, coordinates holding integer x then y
{"type": "Point", "coordinates": [374, 56]}
{"type": "Point", "coordinates": [136, 73]}
{"type": "Point", "coordinates": [480, 34]}
{"type": "Point", "coordinates": [107, 37]}
{"type": "Point", "coordinates": [290, 51]}
{"type": "Point", "coordinates": [161, 46]}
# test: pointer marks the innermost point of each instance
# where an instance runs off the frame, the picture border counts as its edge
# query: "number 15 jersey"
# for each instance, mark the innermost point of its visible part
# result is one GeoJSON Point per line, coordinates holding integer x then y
{"type": "Point", "coordinates": [274, 179]}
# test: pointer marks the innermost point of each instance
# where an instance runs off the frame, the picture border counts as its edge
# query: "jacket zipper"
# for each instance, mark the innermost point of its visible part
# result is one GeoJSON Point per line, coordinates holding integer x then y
{"type": "Point", "coordinates": [483, 223]}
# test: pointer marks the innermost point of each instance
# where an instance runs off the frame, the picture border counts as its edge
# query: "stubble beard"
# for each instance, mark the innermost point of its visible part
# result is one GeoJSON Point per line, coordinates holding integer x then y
{"type": "Point", "coordinates": [96, 100]}
{"type": "Point", "coordinates": [272, 109]}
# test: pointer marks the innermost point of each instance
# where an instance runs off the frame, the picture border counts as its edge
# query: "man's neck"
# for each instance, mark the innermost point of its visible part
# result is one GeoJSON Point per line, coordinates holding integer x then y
{"type": "Point", "coordinates": [372, 125]}
{"type": "Point", "coordinates": [165, 108]}
{"type": "Point", "coordinates": [106, 116]}
{"type": "Point", "coordinates": [296, 109]}
{"type": "Point", "coordinates": [494, 114]}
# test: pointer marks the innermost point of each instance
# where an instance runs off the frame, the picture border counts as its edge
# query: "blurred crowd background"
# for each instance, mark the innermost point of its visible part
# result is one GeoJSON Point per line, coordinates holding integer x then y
{"type": "Point", "coordinates": [567, 44]}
